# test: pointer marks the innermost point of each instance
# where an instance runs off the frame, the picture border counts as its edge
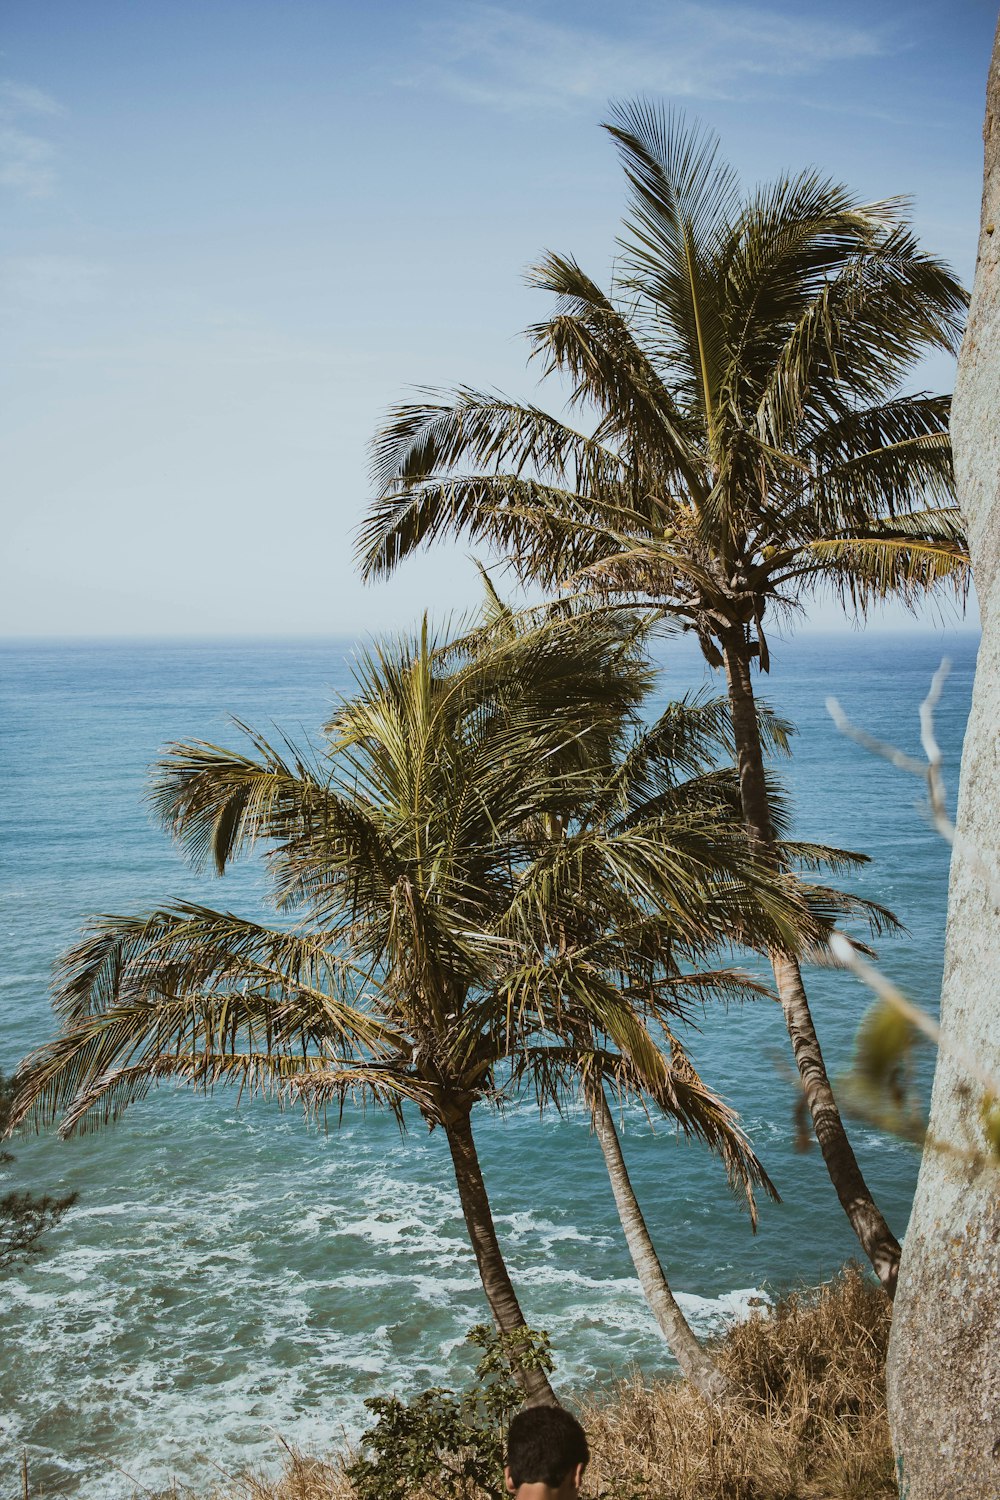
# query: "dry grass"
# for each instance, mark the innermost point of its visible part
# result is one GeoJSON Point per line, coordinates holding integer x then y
{"type": "Point", "coordinates": [809, 1423]}
{"type": "Point", "coordinates": [304, 1478]}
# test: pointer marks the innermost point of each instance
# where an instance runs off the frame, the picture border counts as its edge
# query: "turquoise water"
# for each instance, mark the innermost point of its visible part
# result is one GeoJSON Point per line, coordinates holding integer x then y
{"type": "Point", "coordinates": [228, 1274]}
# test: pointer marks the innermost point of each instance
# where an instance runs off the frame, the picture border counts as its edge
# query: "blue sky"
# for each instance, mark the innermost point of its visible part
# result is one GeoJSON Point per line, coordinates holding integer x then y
{"type": "Point", "coordinates": [234, 232]}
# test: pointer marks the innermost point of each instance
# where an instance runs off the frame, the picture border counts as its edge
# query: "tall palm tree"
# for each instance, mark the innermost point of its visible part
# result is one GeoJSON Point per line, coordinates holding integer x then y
{"type": "Point", "coordinates": [750, 443]}
{"type": "Point", "coordinates": [408, 850]}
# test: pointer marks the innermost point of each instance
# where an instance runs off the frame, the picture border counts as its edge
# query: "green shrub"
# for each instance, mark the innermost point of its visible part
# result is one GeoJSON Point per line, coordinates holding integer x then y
{"type": "Point", "coordinates": [451, 1446]}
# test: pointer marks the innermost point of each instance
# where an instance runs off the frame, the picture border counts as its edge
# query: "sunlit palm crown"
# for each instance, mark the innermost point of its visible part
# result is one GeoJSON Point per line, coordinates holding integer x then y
{"type": "Point", "coordinates": [490, 861]}
{"type": "Point", "coordinates": [747, 436]}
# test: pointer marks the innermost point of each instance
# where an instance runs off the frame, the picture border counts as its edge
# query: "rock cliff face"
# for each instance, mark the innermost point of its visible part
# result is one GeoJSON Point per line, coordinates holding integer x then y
{"type": "Point", "coordinates": [944, 1355]}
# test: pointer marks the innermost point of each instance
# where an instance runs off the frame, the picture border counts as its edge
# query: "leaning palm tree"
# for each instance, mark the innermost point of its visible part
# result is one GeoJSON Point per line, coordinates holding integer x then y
{"type": "Point", "coordinates": [408, 852]}
{"type": "Point", "coordinates": [750, 443]}
{"type": "Point", "coordinates": [599, 944]}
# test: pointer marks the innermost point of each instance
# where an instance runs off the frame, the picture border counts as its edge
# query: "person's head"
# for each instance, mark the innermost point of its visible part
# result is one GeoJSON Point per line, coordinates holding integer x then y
{"type": "Point", "coordinates": [547, 1448]}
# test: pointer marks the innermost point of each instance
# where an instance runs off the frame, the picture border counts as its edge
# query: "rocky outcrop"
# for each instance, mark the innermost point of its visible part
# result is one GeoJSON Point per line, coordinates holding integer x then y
{"type": "Point", "coordinates": [944, 1354]}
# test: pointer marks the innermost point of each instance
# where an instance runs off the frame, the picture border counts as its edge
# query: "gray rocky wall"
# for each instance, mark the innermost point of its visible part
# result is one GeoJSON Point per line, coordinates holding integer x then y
{"type": "Point", "coordinates": [944, 1356]}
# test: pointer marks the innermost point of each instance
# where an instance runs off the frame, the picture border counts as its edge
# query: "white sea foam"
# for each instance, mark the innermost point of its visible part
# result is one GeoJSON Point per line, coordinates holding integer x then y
{"type": "Point", "coordinates": [522, 1226]}
{"type": "Point", "coordinates": [734, 1307]}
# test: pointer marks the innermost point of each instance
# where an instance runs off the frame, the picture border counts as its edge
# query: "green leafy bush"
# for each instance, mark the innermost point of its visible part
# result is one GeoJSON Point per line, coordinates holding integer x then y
{"type": "Point", "coordinates": [450, 1445]}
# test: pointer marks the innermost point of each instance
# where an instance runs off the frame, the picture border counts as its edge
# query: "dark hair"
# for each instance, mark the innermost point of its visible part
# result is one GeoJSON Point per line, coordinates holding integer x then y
{"type": "Point", "coordinates": [544, 1444]}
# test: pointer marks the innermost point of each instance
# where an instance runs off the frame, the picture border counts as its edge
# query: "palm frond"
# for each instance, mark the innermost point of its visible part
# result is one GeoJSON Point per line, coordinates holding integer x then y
{"type": "Point", "coordinates": [254, 1074]}
{"type": "Point", "coordinates": [558, 1072]}
{"type": "Point", "coordinates": [331, 1086]}
{"type": "Point", "coordinates": [590, 340]}
{"type": "Point", "coordinates": [426, 444]}
{"type": "Point", "coordinates": [812, 856]}
{"type": "Point", "coordinates": [895, 560]}
{"type": "Point", "coordinates": [187, 980]}
{"type": "Point", "coordinates": [829, 905]}
{"type": "Point", "coordinates": [186, 949]}
{"type": "Point", "coordinates": [861, 332]}
{"type": "Point", "coordinates": [789, 239]}
{"type": "Point", "coordinates": [702, 986]}
{"type": "Point", "coordinates": [218, 804]}
{"type": "Point", "coordinates": [683, 200]}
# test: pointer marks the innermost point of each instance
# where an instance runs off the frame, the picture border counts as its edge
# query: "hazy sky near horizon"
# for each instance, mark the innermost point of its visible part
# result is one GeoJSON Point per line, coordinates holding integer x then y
{"type": "Point", "coordinates": [233, 232]}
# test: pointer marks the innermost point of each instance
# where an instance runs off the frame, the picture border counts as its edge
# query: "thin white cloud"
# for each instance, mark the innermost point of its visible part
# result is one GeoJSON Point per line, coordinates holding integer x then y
{"type": "Point", "coordinates": [751, 40]}
{"type": "Point", "coordinates": [509, 59]}
{"type": "Point", "coordinates": [27, 159]}
{"type": "Point", "coordinates": [26, 99]}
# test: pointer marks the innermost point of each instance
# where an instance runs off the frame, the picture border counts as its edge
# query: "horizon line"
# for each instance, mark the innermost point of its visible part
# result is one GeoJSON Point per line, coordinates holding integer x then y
{"type": "Point", "coordinates": [255, 637]}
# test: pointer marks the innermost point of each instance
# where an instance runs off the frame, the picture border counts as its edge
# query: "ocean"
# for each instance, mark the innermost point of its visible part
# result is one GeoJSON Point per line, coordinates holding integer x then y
{"type": "Point", "coordinates": [231, 1276]}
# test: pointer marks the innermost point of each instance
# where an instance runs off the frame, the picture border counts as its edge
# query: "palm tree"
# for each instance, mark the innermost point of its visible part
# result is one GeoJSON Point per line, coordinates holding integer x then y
{"type": "Point", "coordinates": [701, 1369]}
{"type": "Point", "coordinates": [750, 444]}
{"type": "Point", "coordinates": [601, 945]}
{"type": "Point", "coordinates": [409, 849]}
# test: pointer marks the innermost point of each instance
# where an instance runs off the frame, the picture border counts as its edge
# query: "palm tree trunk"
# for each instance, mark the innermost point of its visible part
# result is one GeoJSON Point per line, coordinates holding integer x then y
{"type": "Point", "coordinates": [497, 1285]}
{"type": "Point", "coordinates": [703, 1373]}
{"type": "Point", "coordinates": [876, 1238]}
